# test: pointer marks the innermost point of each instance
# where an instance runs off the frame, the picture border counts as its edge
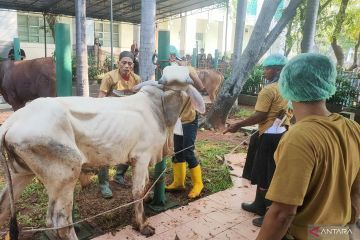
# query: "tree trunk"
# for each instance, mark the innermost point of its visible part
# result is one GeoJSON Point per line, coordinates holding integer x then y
{"type": "Point", "coordinates": [289, 42]}
{"type": "Point", "coordinates": [308, 41]}
{"type": "Point", "coordinates": [240, 27]}
{"type": "Point", "coordinates": [232, 87]}
{"type": "Point", "coordinates": [354, 65]}
{"type": "Point", "coordinates": [82, 80]}
{"type": "Point", "coordinates": [340, 18]}
{"type": "Point", "coordinates": [147, 39]}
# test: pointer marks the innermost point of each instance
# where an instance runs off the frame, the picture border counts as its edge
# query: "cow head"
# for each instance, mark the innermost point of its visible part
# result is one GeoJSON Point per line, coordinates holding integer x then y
{"type": "Point", "coordinates": [177, 86]}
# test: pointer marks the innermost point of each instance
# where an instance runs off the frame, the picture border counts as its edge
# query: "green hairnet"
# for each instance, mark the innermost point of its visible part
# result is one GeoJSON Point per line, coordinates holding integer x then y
{"type": "Point", "coordinates": [275, 60]}
{"type": "Point", "coordinates": [173, 50]}
{"type": "Point", "coordinates": [308, 77]}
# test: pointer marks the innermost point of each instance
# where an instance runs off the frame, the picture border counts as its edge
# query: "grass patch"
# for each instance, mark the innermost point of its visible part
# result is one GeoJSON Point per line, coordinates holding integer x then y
{"type": "Point", "coordinates": [216, 174]}
{"type": "Point", "coordinates": [32, 205]}
{"type": "Point", "coordinates": [243, 113]}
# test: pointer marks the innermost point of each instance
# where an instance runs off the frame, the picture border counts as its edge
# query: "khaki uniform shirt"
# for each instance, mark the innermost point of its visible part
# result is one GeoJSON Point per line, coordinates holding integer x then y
{"type": "Point", "coordinates": [317, 162]}
{"type": "Point", "coordinates": [113, 80]}
{"type": "Point", "coordinates": [270, 101]}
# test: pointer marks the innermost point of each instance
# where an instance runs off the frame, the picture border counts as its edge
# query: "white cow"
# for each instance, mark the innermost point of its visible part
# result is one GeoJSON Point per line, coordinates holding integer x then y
{"type": "Point", "coordinates": [54, 138]}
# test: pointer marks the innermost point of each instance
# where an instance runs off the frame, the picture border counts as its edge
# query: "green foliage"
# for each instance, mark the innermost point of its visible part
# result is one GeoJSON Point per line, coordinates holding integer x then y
{"type": "Point", "coordinates": [253, 84]}
{"type": "Point", "coordinates": [345, 93]}
{"type": "Point", "coordinates": [216, 174]}
{"type": "Point", "coordinates": [243, 113]}
{"type": "Point", "coordinates": [325, 26]}
{"type": "Point", "coordinates": [93, 71]}
{"type": "Point", "coordinates": [33, 205]}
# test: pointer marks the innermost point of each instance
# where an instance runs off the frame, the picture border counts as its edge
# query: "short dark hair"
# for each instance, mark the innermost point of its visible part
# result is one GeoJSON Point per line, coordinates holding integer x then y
{"type": "Point", "coordinates": [126, 54]}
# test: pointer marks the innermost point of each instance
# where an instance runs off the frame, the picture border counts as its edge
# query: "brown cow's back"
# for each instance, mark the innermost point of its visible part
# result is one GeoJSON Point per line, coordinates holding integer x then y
{"type": "Point", "coordinates": [212, 81]}
{"type": "Point", "coordinates": [23, 81]}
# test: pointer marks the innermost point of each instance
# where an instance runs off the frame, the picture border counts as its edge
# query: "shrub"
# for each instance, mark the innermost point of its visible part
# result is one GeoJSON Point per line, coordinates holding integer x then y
{"type": "Point", "coordinates": [93, 71]}
{"type": "Point", "coordinates": [253, 84]}
{"type": "Point", "coordinates": [345, 94]}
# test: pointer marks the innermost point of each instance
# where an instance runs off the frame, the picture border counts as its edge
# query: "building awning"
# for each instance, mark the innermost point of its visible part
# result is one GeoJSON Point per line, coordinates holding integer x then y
{"type": "Point", "coordinates": [123, 10]}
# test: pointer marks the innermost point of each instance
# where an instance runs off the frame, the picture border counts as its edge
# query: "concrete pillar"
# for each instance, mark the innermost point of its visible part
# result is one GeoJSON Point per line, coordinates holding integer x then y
{"type": "Point", "coordinates": [63, 59]}
{"type": "Point", "coordinates": [220, 41]}
{"type": "Point", "coordinates": [190, 34]}
{"type": "Point", "coordinates": [183, 36]}
{"type": "Point", "coordinates": [17, 49]}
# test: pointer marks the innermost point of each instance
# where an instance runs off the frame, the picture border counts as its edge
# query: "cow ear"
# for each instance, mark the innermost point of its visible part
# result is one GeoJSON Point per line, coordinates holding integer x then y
{"type": "Point", "coordinates": [196, 99]}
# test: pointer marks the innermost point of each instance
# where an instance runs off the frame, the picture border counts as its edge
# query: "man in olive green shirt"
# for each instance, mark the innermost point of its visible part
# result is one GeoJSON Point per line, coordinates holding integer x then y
{"type": "Point", "coordinates": [122, 80]}
{"type": "Point", "coordinates": [316, 184]}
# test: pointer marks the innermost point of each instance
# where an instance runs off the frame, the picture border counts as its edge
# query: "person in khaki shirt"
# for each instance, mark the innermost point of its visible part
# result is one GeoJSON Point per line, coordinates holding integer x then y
{"type": "Point", "coordinates": [121, 80]}
{"type": "Point", "coordinates": [270, 108]}
{"type": "Point", "coordinates": [189, 121]}
{"type": "Point", "coordinates": [316, 185]}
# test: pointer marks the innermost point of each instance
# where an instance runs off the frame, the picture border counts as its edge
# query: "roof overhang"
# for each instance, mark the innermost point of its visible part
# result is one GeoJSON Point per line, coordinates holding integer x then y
{"type": "Point", "coordinates": [123, 10]}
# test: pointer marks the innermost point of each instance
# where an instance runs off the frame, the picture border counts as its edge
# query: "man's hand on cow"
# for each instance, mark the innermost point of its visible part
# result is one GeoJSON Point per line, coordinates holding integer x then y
{"type": "Point", "coordinates": [233, 128]}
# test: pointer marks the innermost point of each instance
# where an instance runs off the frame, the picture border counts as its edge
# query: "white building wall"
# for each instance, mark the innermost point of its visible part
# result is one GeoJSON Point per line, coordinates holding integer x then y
{"type": "Point", "coordinates": [190, 34]}
{"type": "Point", "coordinates": [211, 37]}
{"type": "Point", "coordinates": [8, 31]}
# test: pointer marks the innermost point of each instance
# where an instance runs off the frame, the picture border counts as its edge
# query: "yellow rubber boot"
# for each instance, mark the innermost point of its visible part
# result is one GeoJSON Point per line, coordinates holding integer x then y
{"type": "Point", "coordinates": [198, 185]}
{"type": "Point", "coordinates": [179, 171]}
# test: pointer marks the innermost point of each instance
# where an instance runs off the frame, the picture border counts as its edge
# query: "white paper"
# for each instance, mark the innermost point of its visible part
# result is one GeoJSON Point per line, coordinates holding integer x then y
{"type": "Point", "coordinates": [276, 128]}
{"type": "Point", "coordinates": [178, 128]}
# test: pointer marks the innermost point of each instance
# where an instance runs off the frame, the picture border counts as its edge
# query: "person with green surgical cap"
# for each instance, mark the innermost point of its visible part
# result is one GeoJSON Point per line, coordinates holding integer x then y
{"type": "Point", "coordinates": [316, 184]}
{"type": "Point", "coordinates": [184, 145]}
{"type": "Point", "coordinates": [270, 110]}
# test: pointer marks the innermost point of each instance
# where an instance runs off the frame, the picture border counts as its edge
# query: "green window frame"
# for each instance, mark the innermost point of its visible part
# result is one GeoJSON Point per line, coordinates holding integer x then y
{"type": "Point", "coordinates": [31, 29]}
{"type": "Point", "coordinates": [102, 32]}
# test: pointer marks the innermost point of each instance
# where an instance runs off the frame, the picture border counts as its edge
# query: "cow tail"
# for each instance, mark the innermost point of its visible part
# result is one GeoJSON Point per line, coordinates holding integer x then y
{"type": "Point", "coordinates": [5, 158]}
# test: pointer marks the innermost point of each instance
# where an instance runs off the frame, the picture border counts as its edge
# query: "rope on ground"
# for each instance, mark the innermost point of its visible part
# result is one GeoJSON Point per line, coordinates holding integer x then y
{"type": "Point", "coordinates": [99, 214]}
{"type": "Point", "coordinates": [30, 229]}
{"type": "Point", "coordinates": [237, 146]}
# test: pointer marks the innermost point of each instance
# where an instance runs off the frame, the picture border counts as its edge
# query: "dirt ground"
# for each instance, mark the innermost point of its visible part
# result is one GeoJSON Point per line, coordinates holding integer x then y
{"type": "Point", "coordinates": [89, 201]}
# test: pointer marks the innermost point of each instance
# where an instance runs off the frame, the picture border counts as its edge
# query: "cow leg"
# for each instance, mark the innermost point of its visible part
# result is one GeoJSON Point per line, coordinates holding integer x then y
{"type": "Point", "coordinates": [19, 182]}
{"type": "Point", "coordinates": [140, 178]}
{"type": "Point", "coordinates": [60, 208]}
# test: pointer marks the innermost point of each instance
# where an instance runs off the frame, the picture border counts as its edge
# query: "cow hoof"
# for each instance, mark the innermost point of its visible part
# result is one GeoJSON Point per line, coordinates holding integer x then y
{"type": "Point", "coordinates": [147, 231]}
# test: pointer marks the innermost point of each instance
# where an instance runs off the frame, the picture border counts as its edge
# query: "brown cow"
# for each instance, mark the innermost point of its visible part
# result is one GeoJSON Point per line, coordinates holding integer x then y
{"type": "Point", "coordinates": [212, 80]}
{"type": "Point", "coordinates": [23, 81]}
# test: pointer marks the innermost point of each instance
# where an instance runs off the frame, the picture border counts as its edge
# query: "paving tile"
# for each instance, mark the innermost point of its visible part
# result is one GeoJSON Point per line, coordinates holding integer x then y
{"type": "Point", "coordinates": [233, 198]}
{"type": "Point", "coordinates": [246, 229]}
{"type": "Point", "coordinates": [127, 234]}
{"type": "Point", "coordinates": [179, 233]}
{"type": "Point", "coordinates": [218, 216]}
{"type": "Point", "coordinates": [206, 226]}
{"type": "Point", "coordinates": [205, 205]}
{"type": "Point", "coordinates": [160, 222]}
{"type": "Point", "coordinates": [231, 217]}
{"type": "Point", "coordinates": [183, 214]}
{"type": "Point", "coordinates": [235, 158]}
{"type": "Point", "coordinates": [230, 235]}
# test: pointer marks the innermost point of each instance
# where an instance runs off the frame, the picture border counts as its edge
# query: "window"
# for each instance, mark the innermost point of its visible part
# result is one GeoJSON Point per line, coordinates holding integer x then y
{"type": "Point", "coordinates": [31, 29]}
{"type": "Point", "coordinates": [102, 31]}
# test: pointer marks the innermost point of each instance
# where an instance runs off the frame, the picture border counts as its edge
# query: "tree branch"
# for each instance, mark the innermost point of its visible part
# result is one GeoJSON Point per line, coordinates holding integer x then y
{"type": "Point", "coordinates": [287, 15]}
{"type": "Point", "coordinates": [322, 7]}
{"type": "Point", "coordinates": [251, 52]}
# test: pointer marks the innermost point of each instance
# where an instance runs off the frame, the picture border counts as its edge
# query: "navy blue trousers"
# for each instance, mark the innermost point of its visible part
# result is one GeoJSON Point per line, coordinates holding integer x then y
{"type": "Point", "coordinates": [188, 139]}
